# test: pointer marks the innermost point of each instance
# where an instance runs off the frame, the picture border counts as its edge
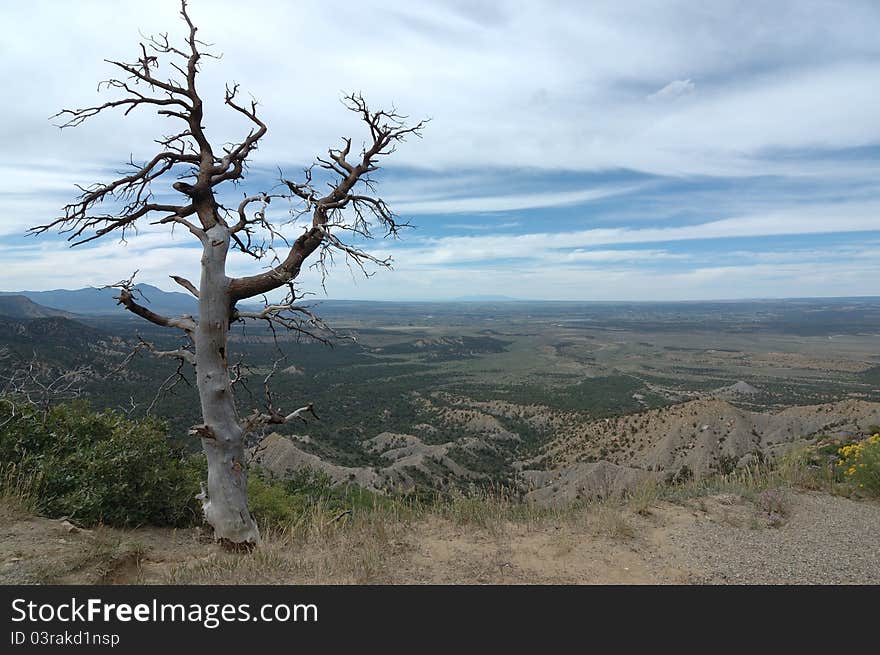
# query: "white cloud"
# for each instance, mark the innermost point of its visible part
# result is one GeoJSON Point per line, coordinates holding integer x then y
{"type": "Point", "coordinates": [841, 218]}
{"type": "Point", "coordinates": [675, 89]}
{"type": "Point", "coordinates": [510, 87]}
{"type": "Point", "coordinates": [770, 76]}
{"type": "Point", "coordinates": [603, 282]}
{"type": "Point", "coordinates": [481, 227]}
{"type": "Point", "coordinates": [563, 266]}
{"type": "Point", "coordinates": [509, 202]}
{"type": "Point", "coordinates": [605, 256]}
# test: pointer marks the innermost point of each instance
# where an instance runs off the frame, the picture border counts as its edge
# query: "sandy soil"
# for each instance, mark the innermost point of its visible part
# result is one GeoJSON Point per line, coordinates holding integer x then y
{"type": "Point", "coordinates": [718, 539]}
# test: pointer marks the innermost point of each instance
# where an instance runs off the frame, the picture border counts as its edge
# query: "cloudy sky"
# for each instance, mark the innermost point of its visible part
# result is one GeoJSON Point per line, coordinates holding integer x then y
{"type": "Point", "coordinates": [576, 151]}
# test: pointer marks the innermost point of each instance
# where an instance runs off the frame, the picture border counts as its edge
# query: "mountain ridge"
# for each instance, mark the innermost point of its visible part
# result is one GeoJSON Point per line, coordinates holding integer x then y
{"type": "Point", "coordinates": [100, 301]}
{"type": "Point", "coordinates": [22, 307]}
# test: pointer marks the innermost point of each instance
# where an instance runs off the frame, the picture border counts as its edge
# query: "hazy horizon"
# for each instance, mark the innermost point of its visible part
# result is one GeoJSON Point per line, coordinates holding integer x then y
{"type": "Point", "coordinates": [498, 299]}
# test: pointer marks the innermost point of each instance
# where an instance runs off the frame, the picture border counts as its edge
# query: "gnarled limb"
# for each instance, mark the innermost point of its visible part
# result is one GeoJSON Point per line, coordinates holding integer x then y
{"type": "Point", "coordinates": [272, 415]}
{"type": "Point", "coordinates": [188, 147]}
{"type": "Point", "coordinates": [125, 298]}
{"type": "Point", "coordinates": [231, 166]}
{"type": "Point", "coordinates": [344, 208]}
{"type": "Point", "coordinates": [178, 353]}
{"type": "Point", "coordinates": [292, 317]}
{"type": "Point", "coordinates": [263, 418]}
{"type": "Point", "coordinates": [186, 284]}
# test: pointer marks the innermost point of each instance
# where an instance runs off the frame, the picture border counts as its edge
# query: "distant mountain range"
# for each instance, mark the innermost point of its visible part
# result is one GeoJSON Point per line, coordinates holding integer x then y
{"type": "Point", "coordinates": [90, 302]}
{"type": "Point", "coordinates": [73, 303]}
{"type": "Point", "coordinates": [24, 307]}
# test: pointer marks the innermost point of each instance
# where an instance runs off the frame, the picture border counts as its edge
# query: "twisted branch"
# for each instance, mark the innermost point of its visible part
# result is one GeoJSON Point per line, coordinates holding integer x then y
{"type": "Point", "coordinates": [350, 206]}
{"type": "Point", "coordinates": [127, 292]}
{"type": "Point", "coordinates": [272, 415]}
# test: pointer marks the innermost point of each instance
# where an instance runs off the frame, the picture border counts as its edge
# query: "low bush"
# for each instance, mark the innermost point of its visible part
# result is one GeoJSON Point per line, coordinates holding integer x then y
{"type": "Point", "coordinates": [282, 502]}
{"type": "Point", "coordinates": [271, 504]}
{"type": "Point", "coordinates": [97, 466]}
{"type": "Point", "coordinates": [859, 464]}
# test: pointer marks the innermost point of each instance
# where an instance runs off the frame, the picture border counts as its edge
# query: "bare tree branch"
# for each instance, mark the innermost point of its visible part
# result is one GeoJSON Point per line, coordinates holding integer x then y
{"type": "Point", "coordinates": [292, 317]}
{"type": "Point", "coordinates": [272, 415]}
{"type": "Point", "coordinates": [127, 291]}
{"type": "Point", "coordinates": [169, 383]}
{"type": "Point", "coordinates": [343, 208]}
{"type": "Point", "coordinates": [231, 166]}
{"type": "Point", "coordinates": [178, 353]}
{"type": "Point", "coordinates": [40, 386]}
{"type": "Point", "coordinates": [173, 98]}
{"type": "Point", "coordinates": [186, 284]}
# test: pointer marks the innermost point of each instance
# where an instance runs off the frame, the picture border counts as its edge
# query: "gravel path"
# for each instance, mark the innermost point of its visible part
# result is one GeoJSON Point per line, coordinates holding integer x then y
{"type": "Point", "coordinates": [825, 540]}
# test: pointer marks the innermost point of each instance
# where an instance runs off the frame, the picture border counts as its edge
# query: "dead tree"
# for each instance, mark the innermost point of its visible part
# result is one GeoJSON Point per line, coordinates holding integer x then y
{"type": "Point", "coordinates": [164, 79]}
{"type": "Point", "coordinates": [36, 385]}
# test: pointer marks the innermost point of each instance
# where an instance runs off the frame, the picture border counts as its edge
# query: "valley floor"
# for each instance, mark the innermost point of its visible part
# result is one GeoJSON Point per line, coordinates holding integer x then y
{"type": "Point", "coordinates": [790, 537]}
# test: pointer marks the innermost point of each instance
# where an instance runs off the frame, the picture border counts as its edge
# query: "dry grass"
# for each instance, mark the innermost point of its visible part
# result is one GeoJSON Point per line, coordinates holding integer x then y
{"type": "Point", "coordinates": [369, 544]}
{"type": "Point", "coordinates": [364, 547]}
{"type": "Point", "coordinates": [102, 558]}
{"type": "Point", "coordinates": [17, 492]}
{"type": "Point", "coordinates": [789, 471]}
{"type": "Point", "coordinates": [322, 547]}
{"type": "Point", "coordinates": [641, 499]}
{"type": "Point", "coordinates": [608, 519]}
{"type": "Point", "coordinates": [491, 510]}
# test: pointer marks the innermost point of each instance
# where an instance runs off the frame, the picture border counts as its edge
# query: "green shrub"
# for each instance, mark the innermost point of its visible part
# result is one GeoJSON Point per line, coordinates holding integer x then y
{"type": "Point", "coordinates": [99, 467]}
{"type": "Point", "coordinates": [860, 464]}
{"type": "Point", "coordinates": [281, 502]}
{"type": "Point", "coordinates": [271, 503]}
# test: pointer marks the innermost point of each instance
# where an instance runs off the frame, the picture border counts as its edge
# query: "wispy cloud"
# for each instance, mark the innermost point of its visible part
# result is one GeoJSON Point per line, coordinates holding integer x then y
{"type": "Point", "coordinates": [481, 227]}
{"type": "Point", "coordinates": [479, 204]}
{"type": "Point", "coordinates": [598, 150]}
{"type": "Point", "coordinates": [617, 256]}
{"type": "Point", "coordinates": [675, 89]}
{"type": "Point", "coordinates": [841, 218]}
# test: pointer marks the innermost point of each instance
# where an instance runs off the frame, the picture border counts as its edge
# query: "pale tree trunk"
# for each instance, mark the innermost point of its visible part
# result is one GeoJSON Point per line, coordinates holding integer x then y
{"type": "Point", "coordinates": [349, 207]}
{"type": "Point", "coordinates": [225, 502]}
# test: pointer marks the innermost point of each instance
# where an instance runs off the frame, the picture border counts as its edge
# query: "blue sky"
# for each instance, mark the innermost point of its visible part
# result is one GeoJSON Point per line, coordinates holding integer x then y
{"type": "Point", "coordinates": [576, 151]}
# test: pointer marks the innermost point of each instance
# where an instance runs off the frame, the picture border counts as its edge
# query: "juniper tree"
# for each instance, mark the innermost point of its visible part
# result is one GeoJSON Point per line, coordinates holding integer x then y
{"type": "Point", "coordinates": [164, 78]}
